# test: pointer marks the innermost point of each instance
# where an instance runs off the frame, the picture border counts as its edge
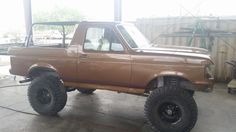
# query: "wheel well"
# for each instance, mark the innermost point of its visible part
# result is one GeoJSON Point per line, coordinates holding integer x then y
{"type": "Point", "coordinates": [37, 71]}
{"type": "Point", "coordinates": [175, 81]}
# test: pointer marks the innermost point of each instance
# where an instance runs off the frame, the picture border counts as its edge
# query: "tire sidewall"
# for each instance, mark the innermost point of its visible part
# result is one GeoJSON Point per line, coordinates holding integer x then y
{"type": "Point", "coordinates": [180, 98]}
{"type": "Point", "coordinates": [185, 113]}
{"type": "Point", "coordinates": [53, 86]}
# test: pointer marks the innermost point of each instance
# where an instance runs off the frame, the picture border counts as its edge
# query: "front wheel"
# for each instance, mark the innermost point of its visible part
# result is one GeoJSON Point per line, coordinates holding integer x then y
{"type": "Point", "coordinates": [171, 109]}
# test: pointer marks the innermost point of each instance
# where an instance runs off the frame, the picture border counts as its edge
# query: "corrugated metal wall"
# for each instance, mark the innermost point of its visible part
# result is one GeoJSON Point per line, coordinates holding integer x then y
{"type": "Point", "coordinates": [223, 46]}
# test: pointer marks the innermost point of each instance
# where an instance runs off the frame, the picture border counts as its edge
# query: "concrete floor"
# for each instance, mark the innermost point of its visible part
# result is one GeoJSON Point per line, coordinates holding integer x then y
{"type": "Point", "coordinates": [106, 111]}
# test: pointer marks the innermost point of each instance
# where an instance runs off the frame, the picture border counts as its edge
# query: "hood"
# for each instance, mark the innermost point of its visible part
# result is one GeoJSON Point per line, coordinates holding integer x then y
{"type": "Point", "coordinates": [178, 51]}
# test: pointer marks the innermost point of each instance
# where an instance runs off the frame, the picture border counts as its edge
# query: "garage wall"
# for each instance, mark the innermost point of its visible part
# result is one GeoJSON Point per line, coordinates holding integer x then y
{"type": "Point", "coordinates": [159, 31]}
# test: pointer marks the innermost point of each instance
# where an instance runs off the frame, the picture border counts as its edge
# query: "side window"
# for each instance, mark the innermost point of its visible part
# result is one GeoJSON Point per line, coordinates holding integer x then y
{"type": "Point", "coordinates": [116, 47]}
{"type": "Point", "coordinates": [102, 39]}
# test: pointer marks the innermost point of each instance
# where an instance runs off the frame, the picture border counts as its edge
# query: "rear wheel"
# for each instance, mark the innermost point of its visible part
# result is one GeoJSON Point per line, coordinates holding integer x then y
{"type": "Point", "coordinates": [171, 109]}
{"type": "Point", "coordinates": [86, 91]}
{"type": "Point", "coordinates": [47, 95]}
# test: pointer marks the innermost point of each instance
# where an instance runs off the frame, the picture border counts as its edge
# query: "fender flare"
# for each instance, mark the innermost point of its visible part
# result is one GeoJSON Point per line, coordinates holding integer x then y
{"type": "Point", "coordinates": [185, 84]}
{"type": "Point", "coordinates": [41, 66]}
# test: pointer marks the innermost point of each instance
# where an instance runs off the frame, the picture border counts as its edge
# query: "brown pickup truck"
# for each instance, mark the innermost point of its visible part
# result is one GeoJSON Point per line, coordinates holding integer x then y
{"type": "Point", "coordinates": [59, 57]}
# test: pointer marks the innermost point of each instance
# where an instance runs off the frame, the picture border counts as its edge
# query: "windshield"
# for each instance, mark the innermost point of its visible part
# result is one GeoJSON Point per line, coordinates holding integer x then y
{"type": "Point", "coordinates": [133, 36]}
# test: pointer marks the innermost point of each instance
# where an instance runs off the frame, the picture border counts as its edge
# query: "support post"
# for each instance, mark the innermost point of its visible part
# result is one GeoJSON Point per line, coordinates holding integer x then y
{"type": "Point", "coordinates": [117, 10]}
{"type": "Point", "coordinates": [28, 15]}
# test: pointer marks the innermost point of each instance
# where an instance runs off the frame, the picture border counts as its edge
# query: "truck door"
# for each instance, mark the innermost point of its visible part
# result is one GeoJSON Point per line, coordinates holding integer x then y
{"type": "Point", "coordinates": [104, 60]}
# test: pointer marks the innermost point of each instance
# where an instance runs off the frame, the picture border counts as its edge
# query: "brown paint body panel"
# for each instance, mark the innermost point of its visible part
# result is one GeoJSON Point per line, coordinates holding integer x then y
{"type": "Point", "coordinates": [129, 71]}
{"type": "Point", "coordinates": [110, 69]}
{"type": "Point", "coordinates": [64, 61]}
{"type": "Point", "coordinates": [145, 68]}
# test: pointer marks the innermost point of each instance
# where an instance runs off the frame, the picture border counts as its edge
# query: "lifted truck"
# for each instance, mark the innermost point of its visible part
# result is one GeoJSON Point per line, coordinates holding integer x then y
{"type": "Point", "coordinates": [111, 56]}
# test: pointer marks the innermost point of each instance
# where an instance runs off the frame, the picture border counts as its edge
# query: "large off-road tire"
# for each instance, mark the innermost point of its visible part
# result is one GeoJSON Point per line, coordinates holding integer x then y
{"type": "Point", "coordinates": [86, 91]}
{"type": "Point", "coordinates": [170, 109]}
{"type": "Point", "coordinates": [46, 94]}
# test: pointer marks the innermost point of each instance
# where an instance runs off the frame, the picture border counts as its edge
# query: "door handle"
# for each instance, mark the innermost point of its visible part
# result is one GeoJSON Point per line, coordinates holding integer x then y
{"type": "Point", "coordinates": [83, 56]}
